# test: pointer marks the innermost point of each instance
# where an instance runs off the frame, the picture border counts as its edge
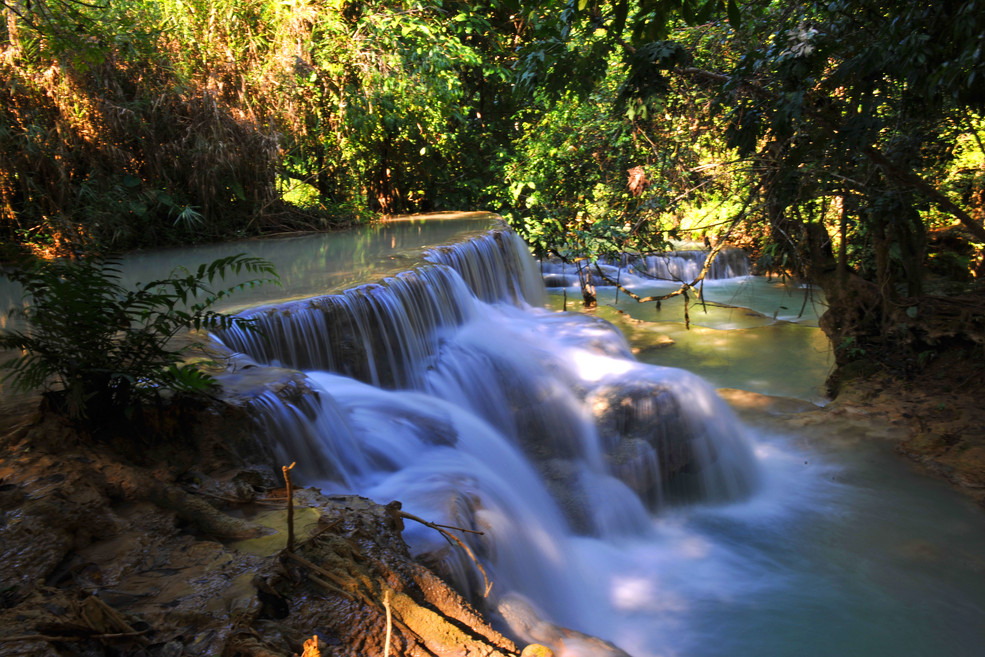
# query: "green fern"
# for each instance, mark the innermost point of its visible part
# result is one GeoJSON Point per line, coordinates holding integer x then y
{"type": "Point", "coordinates": [97, 349]}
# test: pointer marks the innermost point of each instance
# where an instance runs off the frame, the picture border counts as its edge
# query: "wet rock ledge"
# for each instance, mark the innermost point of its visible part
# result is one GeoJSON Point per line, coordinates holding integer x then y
{"type": "Point", "coordinates": [170, 541]}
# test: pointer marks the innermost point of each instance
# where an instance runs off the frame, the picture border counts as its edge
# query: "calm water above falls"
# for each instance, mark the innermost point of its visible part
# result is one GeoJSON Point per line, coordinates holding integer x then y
{"type": "Point", "coordinates": [308, 264]}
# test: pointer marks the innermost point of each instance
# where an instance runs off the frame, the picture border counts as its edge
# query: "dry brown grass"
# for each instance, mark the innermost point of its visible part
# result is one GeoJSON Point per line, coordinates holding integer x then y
{"type": "Point", "coordinates": [125, 154]}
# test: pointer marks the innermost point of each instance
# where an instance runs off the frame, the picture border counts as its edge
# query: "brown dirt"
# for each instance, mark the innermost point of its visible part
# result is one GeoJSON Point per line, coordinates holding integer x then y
{"type": "Point", "coordinates": [941, 414]}
{"type": "Point", "coordinates": [163, 549]}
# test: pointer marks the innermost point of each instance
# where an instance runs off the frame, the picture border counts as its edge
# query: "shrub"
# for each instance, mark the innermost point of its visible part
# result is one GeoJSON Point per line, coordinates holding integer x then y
{"type": "Point", "coordinates": [98, 349]}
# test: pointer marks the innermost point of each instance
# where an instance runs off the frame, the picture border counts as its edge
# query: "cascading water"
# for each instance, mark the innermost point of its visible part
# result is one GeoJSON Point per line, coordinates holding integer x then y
{"type": "Point", "coordinates": [669, 266]}
{"type": "Point", "coordinates": [686, 265]}
{"type": "Point", "coordinates": [441, 388]}
{"type": "Point", "coordinates": [445, 389]}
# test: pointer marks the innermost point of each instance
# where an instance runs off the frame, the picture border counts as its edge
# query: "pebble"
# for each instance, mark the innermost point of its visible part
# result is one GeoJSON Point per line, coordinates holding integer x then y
{"type": "Point", "coordinates": [537, 650]}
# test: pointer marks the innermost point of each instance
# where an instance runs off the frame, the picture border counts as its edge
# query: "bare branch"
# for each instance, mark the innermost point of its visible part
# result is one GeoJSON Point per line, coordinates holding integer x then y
{"type": "Point", "coordinates": [704, 270]}
{"type": "Point", "coordinates": [451, 537]}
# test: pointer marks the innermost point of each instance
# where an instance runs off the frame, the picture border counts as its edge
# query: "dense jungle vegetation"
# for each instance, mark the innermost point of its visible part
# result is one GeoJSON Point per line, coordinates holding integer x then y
{"type": "Point", "coordinates": [842, 141]}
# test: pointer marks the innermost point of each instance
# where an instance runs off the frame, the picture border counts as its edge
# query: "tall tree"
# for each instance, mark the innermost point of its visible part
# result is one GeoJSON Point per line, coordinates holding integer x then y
{"type": "Point", "coordinates": [849, 115]}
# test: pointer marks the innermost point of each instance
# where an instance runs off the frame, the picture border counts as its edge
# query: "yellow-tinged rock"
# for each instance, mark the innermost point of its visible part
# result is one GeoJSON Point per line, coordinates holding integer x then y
{"type": "Point", "coordinates": [537, 650]}
{"type": "Point", "coordinates": [311, 647]}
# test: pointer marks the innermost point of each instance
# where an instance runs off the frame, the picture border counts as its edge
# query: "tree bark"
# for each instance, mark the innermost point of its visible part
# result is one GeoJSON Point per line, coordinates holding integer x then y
{"type": "Point", "coordinates": [13, 31]}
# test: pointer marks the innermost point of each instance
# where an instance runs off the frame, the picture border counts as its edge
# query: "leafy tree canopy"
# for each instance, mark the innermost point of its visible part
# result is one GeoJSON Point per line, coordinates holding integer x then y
{"type": "Point", "coordinates": [848, 136]}
{"type": "Point", "coordinates": [843, 139]}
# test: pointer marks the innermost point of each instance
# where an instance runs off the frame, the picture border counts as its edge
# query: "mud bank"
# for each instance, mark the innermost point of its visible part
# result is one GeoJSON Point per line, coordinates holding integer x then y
{"type": "Point", "coordinates": [136, 546]}
{"type": "Point", "coordinates": [936, 417]}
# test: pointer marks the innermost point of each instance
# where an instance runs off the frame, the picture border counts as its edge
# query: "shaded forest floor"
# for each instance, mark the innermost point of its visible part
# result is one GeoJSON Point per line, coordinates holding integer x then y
{"type": "Point", "coordinates": [135, 547]}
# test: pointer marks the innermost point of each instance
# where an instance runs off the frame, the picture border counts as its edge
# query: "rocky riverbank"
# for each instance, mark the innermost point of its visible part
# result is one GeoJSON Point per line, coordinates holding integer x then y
{"type": "Point", "coordinates": [171, 540]}
{"type": "Point", "coordinates": [138, 546]}
{"type": "Point", "coordinates": [939, 415]}
{"type": "Point", "coordinates": [935, 417]}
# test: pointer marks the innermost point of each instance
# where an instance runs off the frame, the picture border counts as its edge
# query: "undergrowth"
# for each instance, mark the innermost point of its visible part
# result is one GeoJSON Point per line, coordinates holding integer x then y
{"type": "Point", "coordinates": [99, 349]}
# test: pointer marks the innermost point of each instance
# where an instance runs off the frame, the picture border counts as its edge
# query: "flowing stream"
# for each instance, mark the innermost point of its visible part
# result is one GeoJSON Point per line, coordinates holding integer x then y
{"type": "Point", "coordinates": [617, 493]}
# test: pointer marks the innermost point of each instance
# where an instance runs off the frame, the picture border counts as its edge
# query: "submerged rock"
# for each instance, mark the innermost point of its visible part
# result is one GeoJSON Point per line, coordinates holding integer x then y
{"type": "Point", "coordinates": [526, 621]}
{"type": "Point", "coordinates": [536, 650]}
{"type": "Point", "coordinates": [647, 437]}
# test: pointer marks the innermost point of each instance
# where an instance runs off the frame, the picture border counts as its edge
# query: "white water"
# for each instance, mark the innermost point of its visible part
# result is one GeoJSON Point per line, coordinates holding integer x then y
{"type": "Point", "coordinates": [481, 417]}
{"type": "Point", "coordinates": [670, 266]}
{"type": "Point", "coordinates": [750, 332]}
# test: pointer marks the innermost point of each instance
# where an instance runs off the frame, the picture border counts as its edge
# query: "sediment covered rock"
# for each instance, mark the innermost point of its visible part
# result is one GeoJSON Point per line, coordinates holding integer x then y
{"type": "Point", "coordinates": [647, 437]}
{"type": "Point", "coordinates": [107, 554]}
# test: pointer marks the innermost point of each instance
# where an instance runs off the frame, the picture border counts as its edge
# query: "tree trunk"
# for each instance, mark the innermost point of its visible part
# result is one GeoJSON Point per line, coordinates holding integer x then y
{"type": "Point", "coordinates": [13, 30]}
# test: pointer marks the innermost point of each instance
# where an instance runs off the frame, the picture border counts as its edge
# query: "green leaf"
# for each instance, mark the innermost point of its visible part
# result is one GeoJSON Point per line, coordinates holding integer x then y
{"type": "Point", "coordinates": [238, 190]}
{"type": "Point", "coordinates": [101, 346]}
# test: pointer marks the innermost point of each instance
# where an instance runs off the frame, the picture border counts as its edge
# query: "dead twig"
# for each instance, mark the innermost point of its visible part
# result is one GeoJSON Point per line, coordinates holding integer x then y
{"type": "Point", "coordinates": [330, 526]}
{"type": "Point", "coordinates": [102, 618]}
{"type": "Point", "coordinates": [322, 571]}
{"type": "Point", "coordinates": [328, 586]}
{"type": "Point", "coordinates": [290, 507]}
{"type": "Point", "coordinates": [354, 595]}
{"type": "Point", "coordinates": [46, 637]}
{"type": "Point", "coordinates": [389, 623]}
{"type": "Point", "coordinates": [451, 537]}
{"type": "Point", "coordinates": [685, 286]}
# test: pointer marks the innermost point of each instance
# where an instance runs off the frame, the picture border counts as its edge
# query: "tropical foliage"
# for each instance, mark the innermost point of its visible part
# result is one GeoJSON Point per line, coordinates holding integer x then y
{"type": "Point", "coordinates": [853, 112]}
{"type": "Point", "coordinates": [842, 139]}
{"type": "Point", "coordinates": [100, 348]}
{"type": "Point", "coordinates": [849, 135]}
{"type": "Point", "coordinates": [127, 124]}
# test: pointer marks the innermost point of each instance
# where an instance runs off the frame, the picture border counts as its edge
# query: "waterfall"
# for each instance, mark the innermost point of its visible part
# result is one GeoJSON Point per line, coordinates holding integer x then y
{"type": "Point", "coordinates": [669, 266]}
{"type": "Point", "coordinates": [383, 334]}
{"type": "Point", "coordinates": [446, 388]}
{"type": "Point", "coordinates": [496, 267]}
{"type": "Point", "coordinates": [686, 265]}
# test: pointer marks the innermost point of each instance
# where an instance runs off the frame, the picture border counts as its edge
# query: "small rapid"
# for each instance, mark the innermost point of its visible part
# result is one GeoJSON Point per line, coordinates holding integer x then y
{"type": "Point", "coordinates": [679, 266]}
